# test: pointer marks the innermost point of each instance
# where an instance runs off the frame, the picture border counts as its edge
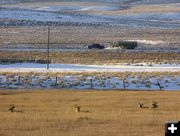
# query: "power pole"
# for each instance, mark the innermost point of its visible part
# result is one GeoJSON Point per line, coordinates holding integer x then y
{"type": "Point", "coordinates": [48, 47]}
{"type": "Point", "coordinates": [91, 80]}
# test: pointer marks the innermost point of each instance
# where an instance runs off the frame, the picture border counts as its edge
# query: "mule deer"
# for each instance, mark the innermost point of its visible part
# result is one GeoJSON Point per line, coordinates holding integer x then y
{"type": "Point", "coordinates": [141, 105]}
{"type": "Point", "coordinates": [77, 108]}
{"type": "Point", "coordinates": [155, 105]}
{"type": "Point", "coordinates": [12, 107]}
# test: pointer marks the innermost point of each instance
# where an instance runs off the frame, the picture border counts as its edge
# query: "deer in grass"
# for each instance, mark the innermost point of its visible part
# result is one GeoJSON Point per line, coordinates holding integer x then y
{"type": "Point", "coordinates": [155, 105]}
{"type": "Point", "coordinates": [12, 107]}
{"type": "Point", "coordinates": [77, 108]}
{"type": "Point", "coordinates": [141, 105]}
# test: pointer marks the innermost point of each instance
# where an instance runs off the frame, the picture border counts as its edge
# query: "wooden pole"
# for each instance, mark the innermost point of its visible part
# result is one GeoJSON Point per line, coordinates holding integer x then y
{"type": "Point", "coordinates": [124, 83]}
{"type": "Point", "coordinates": [19, 80]}
{"type": "Point", "coordinates": [91, 83]}
{"type": "Point", "coordinates": [160, 87]}
{"type": "Point", "coordinates": [48, 47]}
{"type": "Point", "coordinates": [56, 82]}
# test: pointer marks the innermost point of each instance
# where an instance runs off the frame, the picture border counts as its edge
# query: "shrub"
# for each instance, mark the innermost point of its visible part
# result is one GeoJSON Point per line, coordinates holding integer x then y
{"type": "Point", "coordinates": [125, 44]}
{"type": "Point", "coordinates": [96, 46]}
{"type": "Point", "coordinates": [22, 60]}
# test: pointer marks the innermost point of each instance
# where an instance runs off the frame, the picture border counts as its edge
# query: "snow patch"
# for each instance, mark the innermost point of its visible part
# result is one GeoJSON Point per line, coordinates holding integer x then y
{"type": "Point", "coordinates": [98, 8]}
{"type": "Point", "coordinates": [90, 82]}
{"type": "Point", "coordinates": [148, 42]}
{"type": "Point", "coordinates": [170, 20]}
{"type": "Point", "coordinates": [34, 67]}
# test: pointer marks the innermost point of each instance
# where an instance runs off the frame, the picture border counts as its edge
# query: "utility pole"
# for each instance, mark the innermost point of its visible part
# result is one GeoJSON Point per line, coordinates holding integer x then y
{"type": "Point", "coordinates": [160, 87]}
{"type": "Point", "coordinates": [124, 83]}
{"type": "Point", "coordinates": [48, 47]}
{"type": "Point", "coordinates": [91, 80]}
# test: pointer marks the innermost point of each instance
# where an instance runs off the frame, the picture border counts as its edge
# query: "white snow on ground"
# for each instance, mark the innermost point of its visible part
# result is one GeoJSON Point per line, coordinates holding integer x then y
{"type": "Point", "coordinates": [77, 8]}
{"type": "Point", "coordinates": [164, 20]}
{"type": "Point", "coordinates": [42, 79]}
{"type": "Point", "coordinates": [57, 8]}
{"type": "Point", "coordinates": [34, 67]}
{"type": "Point", "coordinates": [21, 14]}
{"type": "Point", "coordinates": [148, 42]}
{"type": "Point", "coordinates": [89, 82]}
{"type": "Point", "coordinates": [99, 8]}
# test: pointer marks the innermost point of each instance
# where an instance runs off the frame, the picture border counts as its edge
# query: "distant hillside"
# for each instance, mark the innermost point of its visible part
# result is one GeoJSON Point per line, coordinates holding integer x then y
{"type": "Point", "coordinates": [108, 1]}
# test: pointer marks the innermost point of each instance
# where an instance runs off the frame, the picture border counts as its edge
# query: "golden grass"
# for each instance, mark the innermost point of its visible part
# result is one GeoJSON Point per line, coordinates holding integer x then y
{"type": "Point", "coordinates": [142, 9]}
{"type": "Point", "coordinates": [104, 113]}
{"type": "Point", "coordinates": [97, 74]}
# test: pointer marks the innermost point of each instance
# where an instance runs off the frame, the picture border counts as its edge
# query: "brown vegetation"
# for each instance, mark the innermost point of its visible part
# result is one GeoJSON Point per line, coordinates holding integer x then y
{"type": "Point", "coordinates": [114, 113]}
{"type": "Point", "coordinates": [95, 57]}
{"type": "Point", "coordinates": [143, 9]}
{"type": "Point", "coordinates": [122, 75]}
{"type": "Point", "coordinates": [10, 36]}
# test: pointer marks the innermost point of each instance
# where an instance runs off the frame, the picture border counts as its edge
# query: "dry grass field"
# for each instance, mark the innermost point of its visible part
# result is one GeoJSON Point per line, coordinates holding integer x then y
{"type": "Point", "coordinates": [83, 35]}
{"type": "Point", "coordinates": [95, 57]}
{"type": "Point", "coordinates": [144, 9]}
{"type": "Point", "coordinates": [98, 74]}
{"type": "Point", "coordinates": [103, 113]}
